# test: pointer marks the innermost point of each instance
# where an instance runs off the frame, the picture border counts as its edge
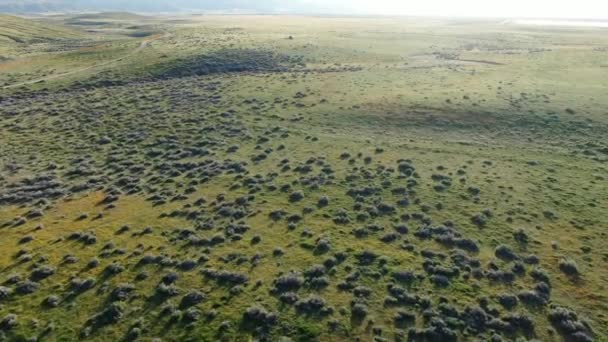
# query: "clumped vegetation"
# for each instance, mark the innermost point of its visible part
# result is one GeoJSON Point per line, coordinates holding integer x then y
{"type": "Point", "coordinates": [363, 180]}
{"type": "Point", "coordinates": [227, 61]}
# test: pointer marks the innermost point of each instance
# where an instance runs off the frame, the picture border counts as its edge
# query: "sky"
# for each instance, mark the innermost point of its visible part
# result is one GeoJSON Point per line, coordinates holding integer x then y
{"type": "Point", "coordinates": [566, 9]}
{"type": "Point", "coordinates": [581, 9]}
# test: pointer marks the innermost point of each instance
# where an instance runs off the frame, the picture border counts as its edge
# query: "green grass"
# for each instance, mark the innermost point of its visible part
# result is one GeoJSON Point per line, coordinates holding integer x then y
{"type": "Point", "coordinates": [371, 87]}
{"type": "Point", "coordinates": [16, 30]}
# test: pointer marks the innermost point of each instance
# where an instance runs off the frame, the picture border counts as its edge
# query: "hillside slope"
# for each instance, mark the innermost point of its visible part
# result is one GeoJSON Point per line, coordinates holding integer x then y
{"type": "Point", "coordinates": [21, 30]}
{"type": "Point", "coordinates": [109, 15]}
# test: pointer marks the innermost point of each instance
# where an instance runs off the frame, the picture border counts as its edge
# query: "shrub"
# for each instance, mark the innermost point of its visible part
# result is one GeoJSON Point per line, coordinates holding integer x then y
{"type": "Point", "coordinates": [121, 292]}
{"type": "Point", "coordinates": [8, 322]}
{"type": "Point", "coordinates": [540, 275]}
{"type": "Point", "coordinates": [438, 331]}
{"type": "Point", "coordinates": [505, 253]}
{"type": "Point", "coordinates": [81, 285]}
{"type": "Point", "coordinates": [330, 262]}
{"type": "Point", "coordinates": [211, 314]}
{"type": "Point", "coordinates": [191, 315]}
{"type": "Point", "coordinates": [113, 269]}
{"type": "Point", "coordinates": [359, 310]}
{"type": "Point", "coordinates": [226, 277]}
{"type": "Point", "coordinates": [474, 190]}
{"type": "Point", "coordinates": [141, 276]}
{"type": "Point", "coordinates": [315, 271]}
{"type": "Point", "coordinates": [288, 282]}
{"type": "Point", "coordinates": [292, 219]}
{"type": "Point", "coordinates": [257, 315]}
{"type": "Point", "coordinates": [532, 298]}
{"type": "Point", "coordinates": [224, 326]}
{"type": "Point", "coordinates": [312, 305]}
{"type": "Point", "coordinates": [543, 289]}
{"type": "Point", "coordinates": [169, 278]}
{"type": "Point", "coordinates": [289, 297]}
{"type": "Point", "coordinates": [404, 317]}
{"type": "Point", "coordinates": [447, 309]}
{"type": "Point", "coordinates": [26, 287]}
{"type": "Point", "coordinates": [322, 246]}
{"type": "Point", "coordinates": [475, 318]}
{"type": "Point", "coordinates": [277, 215]}
{"type": "Point", "coordinates": [518, 268]}
{"type": "Point", "coordinates": [569, 267]}
{"type": "Point", "coordinates": [164, 291]}
{"type": "Point", "coordinates": [133, 334]}
{"type": "Point", "coordinates": [92, 263]}
{"type": "Point", "coordinates": [5, 292]}
{"type": "Point", "coordinates": [440, 280]}
{"type": "Point", "coordinates": [89, 239]}
{"type": "Point", "coordinates": [187, 265]}
{"type": "Point", "coordinates": [520, 322]}
{"type": "Point", "coordinates": [296, 196]}
{"type": "Point", "coordinates": [341, 217]}
{"type": "Point", "coordinates": [34, 213]}
{"type": "Point", "coordinates": [479, 220]}
{"type": "Point", "coordinates": [401, 229]}
{"type": "Point", "coordinates": [389, 237]}
{"type": "Point", "coordinates": [385, 209]}
{"type": "Point", "coordinates": [521, 236]}
{"type": "Point", "coordinates": [499, 325]}
{"type": "Point", "coordinates": [323, 202]}
{"type": "Point", "coordinates": [42, 272]}
{"type": "Point", "coordinates": [360, 232]}
{"type": "Point", "coordinates": [192, 298]}
{"type": "Point", "coordinates": [508, 301]}
{"type": "Point", "coordinates": [52, 301]}
{"type": "Point", "coordinates": [366, 257]}
{"type": "Point", "coordinates": [123, 230]}
{"type": "Point", "coordinates": [405, 168]}
{"type": "Point", "coordinates": [110, 315]}
{"type": "Point", "coordinates": [404, 276]}
{"type": "Point", "coordinates": [531, 259]}
{"type": "Point", "coordinates": [467, 245]}
{"type": "Point", "coordinates": [319, 282]}
{"type": "Point", "coordinates": [104, 140]}
{"type": "Point", "coordinates": [567, 323]}
{"type": "Point", "coordinates": [26, 239]}
{"type": "Point", "coordinates": [70, 259]}
{"type": "Point", "coordinates": [175, 316]}
{"type": "Point", "coordinates": [399, 296]}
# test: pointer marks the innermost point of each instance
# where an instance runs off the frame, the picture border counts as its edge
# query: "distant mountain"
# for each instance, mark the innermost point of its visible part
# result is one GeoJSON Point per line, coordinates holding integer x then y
{"type": "Point", "coordinates": [265, 6]}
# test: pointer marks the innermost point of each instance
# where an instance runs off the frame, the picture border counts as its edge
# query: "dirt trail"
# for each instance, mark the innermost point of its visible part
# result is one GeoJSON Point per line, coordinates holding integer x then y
{"type": "Point", "coordinates": [141, 46]}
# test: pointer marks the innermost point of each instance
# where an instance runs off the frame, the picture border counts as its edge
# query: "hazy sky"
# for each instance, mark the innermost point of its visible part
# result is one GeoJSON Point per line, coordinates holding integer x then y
{"type": "Point", "coordinates": [591, 9]}
{"type": "Point", "coordinates": [580, 9]}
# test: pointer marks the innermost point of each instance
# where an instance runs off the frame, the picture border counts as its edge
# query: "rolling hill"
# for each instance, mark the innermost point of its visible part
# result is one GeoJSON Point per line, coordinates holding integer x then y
{"type": "Point", "coordinates": [21, 30]}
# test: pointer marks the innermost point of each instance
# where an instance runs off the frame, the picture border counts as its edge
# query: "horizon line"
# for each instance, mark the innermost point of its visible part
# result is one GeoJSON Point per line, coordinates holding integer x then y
{"type": "Point", "coordinates": [312, 14]}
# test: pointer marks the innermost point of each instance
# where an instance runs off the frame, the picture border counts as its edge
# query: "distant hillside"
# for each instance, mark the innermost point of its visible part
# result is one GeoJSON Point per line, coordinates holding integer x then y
{"type": "Point", "coordinates": [30, 6]}
{"type": "Point", "coordinates": [104, 18]}
{"type": "Point", "coordinates": [21, 30]}
{"type": "Point", "coordinates": [109, 15]}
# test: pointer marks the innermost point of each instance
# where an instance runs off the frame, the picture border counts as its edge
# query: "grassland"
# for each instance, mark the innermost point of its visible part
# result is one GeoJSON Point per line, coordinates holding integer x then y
{"type": "Point", "coordinates": [304, 178]}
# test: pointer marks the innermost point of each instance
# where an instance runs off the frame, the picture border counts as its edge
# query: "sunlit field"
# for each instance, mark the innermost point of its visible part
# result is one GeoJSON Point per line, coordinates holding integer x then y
{"type": "Point", "coordinates": [239, 177]}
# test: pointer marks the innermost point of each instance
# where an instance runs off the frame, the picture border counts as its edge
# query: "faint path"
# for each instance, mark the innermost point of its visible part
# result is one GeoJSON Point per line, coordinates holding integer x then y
{"type": "Point", "coordinates": [477, 61]}
{"type": "Point", "coordinates": [141, 46]}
